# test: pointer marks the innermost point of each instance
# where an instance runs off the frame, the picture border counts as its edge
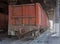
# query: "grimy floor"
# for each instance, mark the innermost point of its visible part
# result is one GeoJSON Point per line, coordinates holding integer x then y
{"type": "Point", "coordinates": [43, 39]}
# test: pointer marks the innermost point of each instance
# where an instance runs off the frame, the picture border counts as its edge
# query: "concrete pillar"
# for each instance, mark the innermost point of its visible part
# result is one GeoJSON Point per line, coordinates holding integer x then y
{"type": "Point", "coordinates": [57, 19]}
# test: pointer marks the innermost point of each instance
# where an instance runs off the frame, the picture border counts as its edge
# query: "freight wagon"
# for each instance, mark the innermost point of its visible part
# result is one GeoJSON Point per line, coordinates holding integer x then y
{"type": "Point", "coordinates": [3, 22]}
{"type": "Point", "coordinates": [27, 19]}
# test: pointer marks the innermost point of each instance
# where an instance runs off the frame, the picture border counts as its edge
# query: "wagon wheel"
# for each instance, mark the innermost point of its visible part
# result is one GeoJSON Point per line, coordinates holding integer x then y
{"type": "Point", "coordinates": [18, 35]}
{"type": "Point", "coordinates": [35, 34]}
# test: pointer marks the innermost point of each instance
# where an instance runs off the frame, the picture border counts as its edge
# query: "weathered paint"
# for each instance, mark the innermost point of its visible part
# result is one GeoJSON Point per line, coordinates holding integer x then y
{"type": "Point", "coordinates": [27, 15]}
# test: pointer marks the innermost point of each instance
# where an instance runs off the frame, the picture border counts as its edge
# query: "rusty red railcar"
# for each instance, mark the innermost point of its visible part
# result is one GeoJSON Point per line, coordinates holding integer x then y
{"type": "Point", "coordinates": [26, 18]}
{"type": "Point", "coordinates": [3, 22]}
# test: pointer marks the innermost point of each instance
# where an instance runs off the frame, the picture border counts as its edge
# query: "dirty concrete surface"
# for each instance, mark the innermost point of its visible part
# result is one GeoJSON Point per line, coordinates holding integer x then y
{"type": "Point", "coordinates": [45, 38]}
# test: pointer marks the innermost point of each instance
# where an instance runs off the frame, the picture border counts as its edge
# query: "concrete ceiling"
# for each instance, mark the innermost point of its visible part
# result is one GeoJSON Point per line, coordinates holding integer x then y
{"type": "Point", "coordinates": [46, 4]}
{"type": "Point", "coordinates": [3, 6]}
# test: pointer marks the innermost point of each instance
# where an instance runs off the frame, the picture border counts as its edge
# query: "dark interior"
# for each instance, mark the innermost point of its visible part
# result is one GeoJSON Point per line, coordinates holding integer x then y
{"type": "Point", "coordinates": [46, 4]}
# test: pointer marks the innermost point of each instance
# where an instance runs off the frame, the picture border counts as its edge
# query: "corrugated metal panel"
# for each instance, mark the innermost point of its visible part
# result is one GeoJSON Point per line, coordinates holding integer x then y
{"type": "Point", "coordinates": [27, 15]}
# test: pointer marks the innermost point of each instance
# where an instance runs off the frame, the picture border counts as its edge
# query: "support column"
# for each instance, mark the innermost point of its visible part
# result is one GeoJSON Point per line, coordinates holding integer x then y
{"type": "Point", "coordinates": [57, 19]}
